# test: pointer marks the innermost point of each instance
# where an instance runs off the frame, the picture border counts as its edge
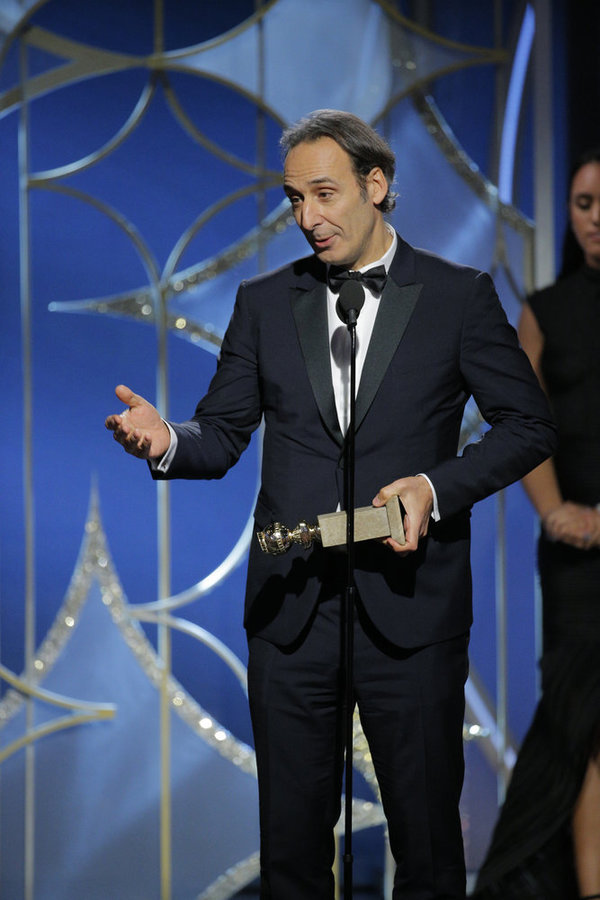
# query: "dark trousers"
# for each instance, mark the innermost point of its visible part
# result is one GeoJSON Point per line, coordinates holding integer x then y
{"type": "Point", "coordinates": [411, 705]}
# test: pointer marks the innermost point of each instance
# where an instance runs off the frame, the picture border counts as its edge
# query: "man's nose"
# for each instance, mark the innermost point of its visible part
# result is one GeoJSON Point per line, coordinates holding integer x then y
{"type": "Point", "coordinates": [310, 216]}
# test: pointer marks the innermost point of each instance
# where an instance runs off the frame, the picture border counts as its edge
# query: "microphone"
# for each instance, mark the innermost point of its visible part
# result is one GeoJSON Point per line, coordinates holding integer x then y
{"type": "Point", "coordinates": [350, 301]}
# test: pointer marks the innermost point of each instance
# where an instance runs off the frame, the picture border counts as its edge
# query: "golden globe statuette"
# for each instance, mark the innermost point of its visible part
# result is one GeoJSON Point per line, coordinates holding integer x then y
{"type": "Point", "coordinates": [370, 522]}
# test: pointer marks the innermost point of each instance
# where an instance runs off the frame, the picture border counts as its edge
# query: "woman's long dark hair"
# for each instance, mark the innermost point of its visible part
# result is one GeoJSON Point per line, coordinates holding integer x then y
{"type": "Point", "coordinates": [572, 254]}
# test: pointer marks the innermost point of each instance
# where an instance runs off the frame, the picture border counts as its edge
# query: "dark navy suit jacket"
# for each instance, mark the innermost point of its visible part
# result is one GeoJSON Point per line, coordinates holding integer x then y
{"type": "Point", "coordinates": [440, 336]}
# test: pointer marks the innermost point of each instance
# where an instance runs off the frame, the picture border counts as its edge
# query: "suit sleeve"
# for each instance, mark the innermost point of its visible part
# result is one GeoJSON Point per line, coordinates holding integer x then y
{"type": "Point", "coordinates": [498, 375]}
{"type": "Point", "coordinates": [220, 430]}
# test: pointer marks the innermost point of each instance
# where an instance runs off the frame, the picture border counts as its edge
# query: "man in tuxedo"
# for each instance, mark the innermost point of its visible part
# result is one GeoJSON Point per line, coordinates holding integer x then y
{"type": "Point", "coordinates": [430, 335]}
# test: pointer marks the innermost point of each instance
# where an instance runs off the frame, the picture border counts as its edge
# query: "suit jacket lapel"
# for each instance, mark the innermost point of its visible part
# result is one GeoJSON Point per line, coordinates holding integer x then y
{"type": "Point", "coordinates": [396, 306]}
{"type": "Point", "coordinates": [310, 313]}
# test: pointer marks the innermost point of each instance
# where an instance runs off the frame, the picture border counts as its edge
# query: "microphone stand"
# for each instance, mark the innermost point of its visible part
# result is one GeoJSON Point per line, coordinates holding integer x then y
{"type": "Point", "coordinates": [350, 302]}
{"type": "Point", "coordinates": [349, 607]}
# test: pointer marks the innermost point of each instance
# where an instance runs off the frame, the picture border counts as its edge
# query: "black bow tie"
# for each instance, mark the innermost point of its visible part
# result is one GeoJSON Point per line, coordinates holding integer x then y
{"type": "Point", "coordinates": [374, 278]}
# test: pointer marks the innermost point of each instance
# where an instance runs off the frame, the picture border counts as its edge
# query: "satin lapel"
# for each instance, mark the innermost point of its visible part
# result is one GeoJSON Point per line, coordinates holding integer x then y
{"type": "Point", "coordinates": [395, 309]}
{"type": "Point", "coordinates": [310, 313]}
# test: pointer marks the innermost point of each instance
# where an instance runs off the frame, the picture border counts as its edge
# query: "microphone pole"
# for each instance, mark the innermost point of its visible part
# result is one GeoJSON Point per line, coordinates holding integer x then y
{"type": "Point", "coordinates": [350, 302]}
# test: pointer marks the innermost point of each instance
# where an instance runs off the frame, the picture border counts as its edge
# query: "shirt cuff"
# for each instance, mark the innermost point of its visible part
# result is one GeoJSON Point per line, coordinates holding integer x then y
{"type": "Point", "coordinates": [435, 512]}
{"type": "Point", "coordinates": [162, 464]}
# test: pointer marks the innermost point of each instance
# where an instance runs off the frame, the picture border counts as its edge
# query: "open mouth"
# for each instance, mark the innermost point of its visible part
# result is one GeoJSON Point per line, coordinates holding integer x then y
{"type": "Point", "coordinates": [322, 243]}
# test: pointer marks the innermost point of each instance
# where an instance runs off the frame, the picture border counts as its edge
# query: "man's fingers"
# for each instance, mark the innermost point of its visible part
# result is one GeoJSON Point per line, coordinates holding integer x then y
{"type": "Point", "coordinates": [384, 494]}
{"type": "Point", "coordinates": [117, 423]}
{"type": "Point", "coordinates": [126, 395]}
{"type": "Point", "coordinates": [400, 549]}
{"type": "Point", "coordinates": [133, 442]}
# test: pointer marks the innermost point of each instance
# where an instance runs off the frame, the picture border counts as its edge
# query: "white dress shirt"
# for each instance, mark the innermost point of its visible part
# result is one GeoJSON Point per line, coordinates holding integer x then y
{"type": "Point", "coordinates": [339, 338]}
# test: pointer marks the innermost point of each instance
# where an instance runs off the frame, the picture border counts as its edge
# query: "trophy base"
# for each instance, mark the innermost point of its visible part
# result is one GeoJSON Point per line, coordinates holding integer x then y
{"type": "Point", "coordinates": [370, 522]}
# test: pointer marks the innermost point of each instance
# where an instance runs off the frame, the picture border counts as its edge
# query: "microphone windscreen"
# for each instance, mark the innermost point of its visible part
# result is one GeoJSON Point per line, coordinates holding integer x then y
{"type": "Point", "coordinates": [351, 298]}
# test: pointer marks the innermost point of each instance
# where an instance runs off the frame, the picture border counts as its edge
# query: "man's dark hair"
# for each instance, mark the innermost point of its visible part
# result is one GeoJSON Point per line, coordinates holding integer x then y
{"type": "Point", "coordinates": [364, 146]}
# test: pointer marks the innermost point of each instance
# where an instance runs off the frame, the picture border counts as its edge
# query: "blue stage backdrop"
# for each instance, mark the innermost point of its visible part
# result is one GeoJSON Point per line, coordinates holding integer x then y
{"type": "Point", "coordinates": [138, 146]}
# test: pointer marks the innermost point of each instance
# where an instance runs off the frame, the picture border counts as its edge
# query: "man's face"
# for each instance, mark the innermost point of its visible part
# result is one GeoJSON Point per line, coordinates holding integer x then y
{"type": "Point", "coordinates": [338, 219]}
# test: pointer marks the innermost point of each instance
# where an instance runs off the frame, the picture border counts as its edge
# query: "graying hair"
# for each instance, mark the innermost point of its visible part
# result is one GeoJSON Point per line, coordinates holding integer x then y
{"type": "Point", "coordinates": [365, 147]}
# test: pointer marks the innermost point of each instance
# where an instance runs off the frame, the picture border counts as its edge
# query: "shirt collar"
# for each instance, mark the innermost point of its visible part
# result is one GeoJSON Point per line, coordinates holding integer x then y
{"type": "Point", "coordinates": [386, 259]}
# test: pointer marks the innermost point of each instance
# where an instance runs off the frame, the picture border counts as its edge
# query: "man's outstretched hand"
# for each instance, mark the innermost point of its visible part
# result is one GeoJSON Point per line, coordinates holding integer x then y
{"type": "Point", "coordinates": [139, 429]}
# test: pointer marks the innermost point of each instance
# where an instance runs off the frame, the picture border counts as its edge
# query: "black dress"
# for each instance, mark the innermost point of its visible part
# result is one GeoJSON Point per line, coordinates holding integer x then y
{"type": "Point", "coordinates": [531, 854]}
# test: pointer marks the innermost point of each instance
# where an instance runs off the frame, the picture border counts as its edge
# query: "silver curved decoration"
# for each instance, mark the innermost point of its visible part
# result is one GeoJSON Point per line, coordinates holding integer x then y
{"type": "Point", "coordinates": [80, 165]}
{"type": "Point", "coordinates": [203, 587]}
{"type": "Point", "coordinates": [114, 215]}
{"type": "Point", "coordinates": [202, 635]}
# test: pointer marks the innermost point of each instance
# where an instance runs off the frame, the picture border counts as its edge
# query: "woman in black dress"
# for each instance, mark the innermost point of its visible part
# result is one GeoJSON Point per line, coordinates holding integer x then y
{"type": "Point", "coordinates": [546, 843]}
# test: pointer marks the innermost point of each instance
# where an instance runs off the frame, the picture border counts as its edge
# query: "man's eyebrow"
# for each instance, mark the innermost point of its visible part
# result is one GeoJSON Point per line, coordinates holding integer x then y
{"type": "Point", "coordinates": [319, 179]}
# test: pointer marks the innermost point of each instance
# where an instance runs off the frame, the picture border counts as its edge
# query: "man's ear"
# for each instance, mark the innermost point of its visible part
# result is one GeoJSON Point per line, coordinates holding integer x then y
{"type": "Point", "coordinates": [377, 185]}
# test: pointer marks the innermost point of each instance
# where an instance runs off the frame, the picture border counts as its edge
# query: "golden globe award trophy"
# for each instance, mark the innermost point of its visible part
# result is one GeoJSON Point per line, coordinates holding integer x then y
{"type": "Point", "coordinates": [370, 522]}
